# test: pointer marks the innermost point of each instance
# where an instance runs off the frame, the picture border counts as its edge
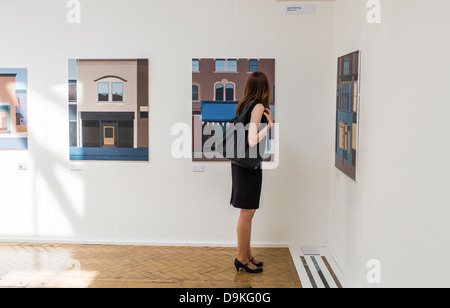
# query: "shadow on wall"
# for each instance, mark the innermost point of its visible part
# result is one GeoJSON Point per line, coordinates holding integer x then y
{"type": "Point", "coordinates": [51, 179]}
{"type": "Point", "coordinates": [57, 195]}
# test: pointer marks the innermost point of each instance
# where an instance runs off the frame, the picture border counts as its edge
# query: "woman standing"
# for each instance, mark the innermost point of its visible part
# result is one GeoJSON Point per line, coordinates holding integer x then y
{"type": "Point", "coordinates": [247, 183]}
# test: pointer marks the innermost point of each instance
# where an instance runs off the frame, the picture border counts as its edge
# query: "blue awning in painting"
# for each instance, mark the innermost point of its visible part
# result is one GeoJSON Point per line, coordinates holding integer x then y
{"type": "Point", "coordinates": [213, 111]}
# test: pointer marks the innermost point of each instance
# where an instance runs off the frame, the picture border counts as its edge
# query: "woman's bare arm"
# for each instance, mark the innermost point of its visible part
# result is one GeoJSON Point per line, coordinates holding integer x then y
{"type": "Point", "coordinates": [254, 135]}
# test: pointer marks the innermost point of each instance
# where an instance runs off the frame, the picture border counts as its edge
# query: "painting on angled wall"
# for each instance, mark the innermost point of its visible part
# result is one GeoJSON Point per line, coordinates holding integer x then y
{"type": "Point", "coordinates": [108, 109]}
{"type": "Point", "coordinates": [218, 85]}
{"type": "Point", "coordinates": [347, 111]}
{"type": "Point", "coordinates": [13, 109]}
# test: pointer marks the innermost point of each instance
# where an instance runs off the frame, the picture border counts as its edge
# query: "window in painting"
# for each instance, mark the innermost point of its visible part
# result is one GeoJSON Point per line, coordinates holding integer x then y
{"type": "Point", "coordinates": [219, 92]}
{"type": "Point", "coordinates": [229, 90]}
{"type": "Point", "coordinates": [117, 91]}
{"type": "Point", "coordinates": [103, 91]}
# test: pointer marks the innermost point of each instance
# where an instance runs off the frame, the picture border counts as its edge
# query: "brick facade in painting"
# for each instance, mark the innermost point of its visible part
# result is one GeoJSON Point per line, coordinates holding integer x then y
{"type": "Point", "coordinates": [205, 81]}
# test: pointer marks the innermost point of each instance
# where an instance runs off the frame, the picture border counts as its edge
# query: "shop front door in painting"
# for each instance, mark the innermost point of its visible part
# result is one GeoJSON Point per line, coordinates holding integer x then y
{"type": "Point", "coordinates": [109, 136]}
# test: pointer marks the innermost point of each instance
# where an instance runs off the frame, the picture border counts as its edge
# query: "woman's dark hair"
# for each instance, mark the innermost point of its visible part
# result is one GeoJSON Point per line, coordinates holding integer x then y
{"type": "Point", "coordinates": [257, 89]}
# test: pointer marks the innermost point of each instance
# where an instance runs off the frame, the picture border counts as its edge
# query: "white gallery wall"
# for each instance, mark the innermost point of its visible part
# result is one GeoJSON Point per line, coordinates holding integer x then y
{"type": "Point", "coordinates": [398, 211]}
{"type": "Point", "coordinates": [164, 202]}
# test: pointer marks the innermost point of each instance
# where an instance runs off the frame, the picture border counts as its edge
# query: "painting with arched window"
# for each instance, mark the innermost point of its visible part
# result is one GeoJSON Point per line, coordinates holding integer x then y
{"type": "Point", "coordinates": [217, 87]}
{"type": "Point", "coordinates": [108, 119]}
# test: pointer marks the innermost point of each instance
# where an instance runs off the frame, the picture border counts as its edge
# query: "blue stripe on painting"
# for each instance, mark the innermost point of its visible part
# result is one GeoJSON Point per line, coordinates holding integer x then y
{"type": "Point", "coordinates": [109, 154]}
{"type": "Point", "coordinates": [13, 143]}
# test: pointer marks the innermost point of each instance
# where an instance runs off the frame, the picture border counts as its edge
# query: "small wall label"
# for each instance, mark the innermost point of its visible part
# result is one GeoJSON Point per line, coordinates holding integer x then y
{"type": "Point", "coordinates": [300, 9]}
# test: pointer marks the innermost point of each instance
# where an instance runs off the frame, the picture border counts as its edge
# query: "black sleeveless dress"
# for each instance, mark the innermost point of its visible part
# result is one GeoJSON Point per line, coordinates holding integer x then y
{"type": "Point", "coordinates": [247, 185]}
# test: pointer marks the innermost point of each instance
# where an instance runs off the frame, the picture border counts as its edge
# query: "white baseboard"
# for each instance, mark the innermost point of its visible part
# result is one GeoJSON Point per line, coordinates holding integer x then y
{"type": "Point", "coordinates": [138, 243]}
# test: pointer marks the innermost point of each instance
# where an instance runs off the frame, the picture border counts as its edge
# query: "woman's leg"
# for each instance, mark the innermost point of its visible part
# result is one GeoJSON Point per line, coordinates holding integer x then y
{"type": "Point", "coordinates": [244, 231]}
{"type": "Point", "coordinates": [249, 251]}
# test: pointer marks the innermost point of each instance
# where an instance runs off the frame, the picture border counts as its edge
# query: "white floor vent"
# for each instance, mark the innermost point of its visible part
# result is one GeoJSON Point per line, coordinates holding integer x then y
{"type": "Point", "coordinates": [316, 268]}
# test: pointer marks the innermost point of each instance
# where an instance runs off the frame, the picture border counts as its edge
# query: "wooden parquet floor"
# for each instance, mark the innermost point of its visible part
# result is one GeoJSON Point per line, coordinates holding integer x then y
{"type": "Point", "coordinates": [99, 266]}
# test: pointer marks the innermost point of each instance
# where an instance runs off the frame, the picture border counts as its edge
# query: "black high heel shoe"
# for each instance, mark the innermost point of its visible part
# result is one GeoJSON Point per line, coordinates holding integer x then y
{"type": "Point", "coordinates": [257, 264]}
{"type": "Point", "coordinates": [245, 267]}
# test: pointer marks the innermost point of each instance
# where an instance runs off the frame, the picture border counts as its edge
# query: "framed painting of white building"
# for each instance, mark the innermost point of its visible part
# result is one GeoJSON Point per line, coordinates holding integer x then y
{"type": "Point", "coordinates": [108, 109]}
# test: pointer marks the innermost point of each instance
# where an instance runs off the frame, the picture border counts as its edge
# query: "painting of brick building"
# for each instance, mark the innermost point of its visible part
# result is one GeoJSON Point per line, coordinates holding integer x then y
{"type": "Point", "coordinates": [347, 98]}
{"type": "Point", "coordinates": [217, 87]}
{"type": "Point", "coordinates": [108, 109]}
{"type": "Point", "coordinates": [13, 108]}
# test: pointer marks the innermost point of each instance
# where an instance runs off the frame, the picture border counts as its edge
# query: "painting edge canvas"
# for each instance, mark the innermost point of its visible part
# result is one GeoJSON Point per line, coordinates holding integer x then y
{"type": "Point", "coordinates": [347, 113]}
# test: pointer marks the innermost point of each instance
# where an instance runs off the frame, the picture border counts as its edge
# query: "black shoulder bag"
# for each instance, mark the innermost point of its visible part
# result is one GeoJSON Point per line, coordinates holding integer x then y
{"type": "Point", "coordinates": [233, 145]}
